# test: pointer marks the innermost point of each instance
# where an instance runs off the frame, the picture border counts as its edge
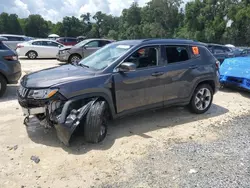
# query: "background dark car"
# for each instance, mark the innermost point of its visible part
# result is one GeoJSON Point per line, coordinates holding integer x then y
{"type": "Point", "coordinates": [245, 52]}
{"type": "Point", "coordinates": [220, 52]}
{"type": "Point", "coordinates": [67, 41]}
{"type": "Point", "coordinates": [10, 67]}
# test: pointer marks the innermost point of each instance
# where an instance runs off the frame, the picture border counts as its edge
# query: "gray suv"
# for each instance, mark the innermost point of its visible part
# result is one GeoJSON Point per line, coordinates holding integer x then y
{"type": "Point", "coordinates": [122, 78]}
{"type": "Point", "coordinates": [10, 67]}
{"type": "Point", "coordinates": [81, 50]}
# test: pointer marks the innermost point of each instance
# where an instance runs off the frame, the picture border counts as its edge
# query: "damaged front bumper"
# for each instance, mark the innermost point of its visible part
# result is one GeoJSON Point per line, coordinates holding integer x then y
{"type": "Point", "coordinates": [64, 116]}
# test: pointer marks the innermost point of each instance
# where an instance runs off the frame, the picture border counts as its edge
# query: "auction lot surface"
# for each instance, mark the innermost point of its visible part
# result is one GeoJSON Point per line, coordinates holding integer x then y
{"type": "Point", "coordinates": [163, 148]}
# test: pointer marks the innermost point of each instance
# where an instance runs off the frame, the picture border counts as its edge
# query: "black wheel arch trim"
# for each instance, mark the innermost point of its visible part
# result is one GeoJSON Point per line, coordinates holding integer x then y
{"type": "Point", "coordinates": [208, 79]}
{"type": "Point", "coordinates": [85, 96]}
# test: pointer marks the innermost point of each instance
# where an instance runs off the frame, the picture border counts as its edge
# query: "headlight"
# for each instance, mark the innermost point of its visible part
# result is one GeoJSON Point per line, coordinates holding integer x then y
{"type": "Point", "coordinates": [64, 51]}
{"type": "Point", "coordinates": [42, 93]}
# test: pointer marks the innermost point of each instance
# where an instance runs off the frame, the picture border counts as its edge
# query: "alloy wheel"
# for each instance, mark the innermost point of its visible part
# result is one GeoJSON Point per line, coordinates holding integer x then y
{"type": "Point", "coordinates": [203, 99]}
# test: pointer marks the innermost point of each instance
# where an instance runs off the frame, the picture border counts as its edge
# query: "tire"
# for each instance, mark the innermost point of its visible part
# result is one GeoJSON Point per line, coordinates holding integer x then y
{"type": "Point", "coordinates": [32, 55]}
{"type": "Point", "coordinates": [202, 99]}
{"type": "Point", "coordinates": [95, 128]}
{"type": "Point", "coordinates": [3, 85]}
{"type": "Point", "coordinates": [75, 58]}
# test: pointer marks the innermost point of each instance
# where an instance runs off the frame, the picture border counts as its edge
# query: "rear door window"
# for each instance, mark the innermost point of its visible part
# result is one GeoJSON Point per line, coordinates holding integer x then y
{"type": "Point", "coordinates": [103, 43]}
{"type": "Point", "coordinates": [176, 54]}
{"type": "Point", "coordinates": [37, 43]}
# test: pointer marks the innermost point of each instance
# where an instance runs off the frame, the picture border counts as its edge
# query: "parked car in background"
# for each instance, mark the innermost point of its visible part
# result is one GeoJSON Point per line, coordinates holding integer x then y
{"type": "Point", "coordinates": [67, 41]}
{"type": "Point", "coordinates": [80, 38]}
{"type": "Point", "coordinates": [40, 48]}
{"type": "Point", "coordinates": [245, 52]}
{"type": "Point", "coordinates": [122, 78]}
{"type": "Point", "coordinates": [236, 72]}
{"type": "Point", "coordinates": [81, 50]}
{"type": "Point", "coordinates": [10, 67]}
{"type": "Point", "coordinates": [13, 40]}
{"type": "Point", "coordinates": [221, 52]}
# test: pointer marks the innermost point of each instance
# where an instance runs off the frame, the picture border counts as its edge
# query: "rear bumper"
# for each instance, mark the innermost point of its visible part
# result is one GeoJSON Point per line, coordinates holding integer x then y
{"type": "Point", "coordinates": [242, 83]}
{"type": "Point", "coordinates": [13, 78]}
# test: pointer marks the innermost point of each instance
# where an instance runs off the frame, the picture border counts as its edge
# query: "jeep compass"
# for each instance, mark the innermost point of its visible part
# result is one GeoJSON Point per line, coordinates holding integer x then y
{"type": "Point", "coordinates": [121, 78]}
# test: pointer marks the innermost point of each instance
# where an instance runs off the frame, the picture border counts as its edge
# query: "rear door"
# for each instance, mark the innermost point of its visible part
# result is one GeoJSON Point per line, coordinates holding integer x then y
{"type": "Point", "coordinates": [52, 49]}
{"type": "Point", "coordinates": [181, 70]}
{"type": "Point", "coordinates": [142, 88]}
{"type": "Point", "coordinates": [39, 48]}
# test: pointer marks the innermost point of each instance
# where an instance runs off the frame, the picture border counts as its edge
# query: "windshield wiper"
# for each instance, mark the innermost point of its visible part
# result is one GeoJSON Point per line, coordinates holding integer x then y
{"type": "Point", "coordinates": [82, 65]}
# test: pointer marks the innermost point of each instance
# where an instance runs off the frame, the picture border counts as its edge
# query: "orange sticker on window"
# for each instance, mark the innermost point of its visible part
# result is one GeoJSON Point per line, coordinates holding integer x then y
{"type": "Point", "coordinates": [195, 50]}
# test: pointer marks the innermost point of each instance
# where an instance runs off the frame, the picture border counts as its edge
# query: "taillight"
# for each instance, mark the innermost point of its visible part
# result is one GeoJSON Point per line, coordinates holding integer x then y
{"type": "Point", "coordinates": [10, 58]}
{"type": "Point", "coordinates": [19, 46]}
{"type": "Point", "coordinates": [217, 64]}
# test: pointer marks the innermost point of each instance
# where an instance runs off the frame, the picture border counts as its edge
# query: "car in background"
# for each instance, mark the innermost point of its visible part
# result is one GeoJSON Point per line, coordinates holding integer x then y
{"type": "Point", "coordinates": [81, 50]}
{"type": "Point", "coordinates": [67, 41]}
{"type": "Point", "coordinates": [220, 52]}
{"type": "Point", "coordinates": [10, 67]}
{"type": "Point", "coordinates": [235, 72]}
{"type": "Point", "coordinates": [245, 52]}
{"type": "Point", "coordinates": [13, 40]}
{"type": "Point", "coordinates": [40, 48]}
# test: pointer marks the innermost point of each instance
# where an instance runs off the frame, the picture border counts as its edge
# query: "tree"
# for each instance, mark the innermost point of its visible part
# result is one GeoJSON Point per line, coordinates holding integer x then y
{"type": "Point", "coordinates": [36, 26]}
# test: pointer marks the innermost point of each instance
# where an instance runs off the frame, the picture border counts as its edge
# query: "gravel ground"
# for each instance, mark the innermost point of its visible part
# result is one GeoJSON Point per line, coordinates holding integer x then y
{"type": "Point", "coordinates": [163, 148]}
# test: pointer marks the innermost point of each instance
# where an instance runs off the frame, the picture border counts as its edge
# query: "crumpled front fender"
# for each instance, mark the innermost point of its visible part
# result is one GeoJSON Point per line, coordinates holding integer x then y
{"type": "Point", "coordinates": [66, 129]}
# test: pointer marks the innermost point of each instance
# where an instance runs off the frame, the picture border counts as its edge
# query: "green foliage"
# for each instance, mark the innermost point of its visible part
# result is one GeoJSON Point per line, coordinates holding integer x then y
{"type": "Point", "coordinates": [217, 21]}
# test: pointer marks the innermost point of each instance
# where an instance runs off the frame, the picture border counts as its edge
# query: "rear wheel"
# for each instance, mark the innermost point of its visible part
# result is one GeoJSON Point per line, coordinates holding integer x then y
{"type": "Point", "coordinates": [32, 55]}
{"type": "Point", "coordinates": [95, 128]}
{"type": "Point", "coordinates": [3, 85]}
{"type": "Point", "coordinates": [202, 99]}
{"type": "Point", "coordinates": [74, 59]}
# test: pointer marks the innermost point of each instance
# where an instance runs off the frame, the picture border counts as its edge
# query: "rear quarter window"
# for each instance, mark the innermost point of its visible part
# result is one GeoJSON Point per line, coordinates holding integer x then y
{"type": "Point", "coordinates": [2, 46]}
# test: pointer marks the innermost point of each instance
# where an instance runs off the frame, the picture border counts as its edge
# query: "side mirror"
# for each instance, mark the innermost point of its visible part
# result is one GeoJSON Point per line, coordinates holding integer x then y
{"type": "Point", "coordinates": [127, 67]}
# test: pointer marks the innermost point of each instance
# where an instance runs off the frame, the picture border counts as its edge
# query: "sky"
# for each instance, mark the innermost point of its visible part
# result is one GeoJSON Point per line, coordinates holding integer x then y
{"type": "Point", "coordinates": [55, 10]}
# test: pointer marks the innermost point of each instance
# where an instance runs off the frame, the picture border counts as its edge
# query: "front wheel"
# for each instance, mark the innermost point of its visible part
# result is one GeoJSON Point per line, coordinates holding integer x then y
{"type": "Point", "coordinates": [74, 59]}
{"type": "Point", "coordinates": [202, 99]}
{"type": "Point", "coordinates": [95, 127]}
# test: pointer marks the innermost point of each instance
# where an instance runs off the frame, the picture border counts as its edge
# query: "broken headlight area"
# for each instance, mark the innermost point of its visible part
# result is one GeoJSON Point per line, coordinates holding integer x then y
{"type": "Point", "coordinates": [65, 116]}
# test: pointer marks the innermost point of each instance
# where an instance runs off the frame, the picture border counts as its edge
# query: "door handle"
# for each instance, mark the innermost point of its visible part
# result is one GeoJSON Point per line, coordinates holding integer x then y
{"type": "Point", "coordinates": [193, 67]}
{"type": "Point", "coordinates": [157, 73]}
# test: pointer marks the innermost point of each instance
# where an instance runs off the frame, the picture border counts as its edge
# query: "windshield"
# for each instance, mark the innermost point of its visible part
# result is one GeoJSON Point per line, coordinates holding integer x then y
{"type": "Point", "coordinates": [105, 56]}
{"type": "Point", "coordinates": [82, 43]}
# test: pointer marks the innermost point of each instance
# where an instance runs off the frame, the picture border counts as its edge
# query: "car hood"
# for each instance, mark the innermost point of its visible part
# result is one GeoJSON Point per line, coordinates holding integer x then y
{"type": "Point", "coordinates": [54, 76]}
{"type": "Point", "coordinates": [65, 48]}
{"type": "Point", "coordinates": [236, 67]}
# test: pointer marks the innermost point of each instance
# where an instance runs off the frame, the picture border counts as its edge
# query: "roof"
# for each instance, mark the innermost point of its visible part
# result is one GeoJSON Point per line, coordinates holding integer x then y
{"type": "Point", "coordinates": [12, 35]}
{"type": "Point", "coordinates": [41, 40]}
{"type": "Point", "coordinates": [161, 41]}
{"type": "Point", "coordinates": [212, 44]}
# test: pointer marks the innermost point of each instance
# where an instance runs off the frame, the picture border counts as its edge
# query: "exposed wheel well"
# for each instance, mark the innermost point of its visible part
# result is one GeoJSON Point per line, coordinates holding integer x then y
{"type": "Point", "coordinates": [209, 82]}
{"type": "Point", "coordinates": [81, 102]}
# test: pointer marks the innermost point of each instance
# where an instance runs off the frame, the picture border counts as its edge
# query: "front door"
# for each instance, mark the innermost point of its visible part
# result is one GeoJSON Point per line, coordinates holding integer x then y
{"type": "Point", "coordinates": [142, 88]}
{"type": "Point", "coordinates": [90, 48]}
